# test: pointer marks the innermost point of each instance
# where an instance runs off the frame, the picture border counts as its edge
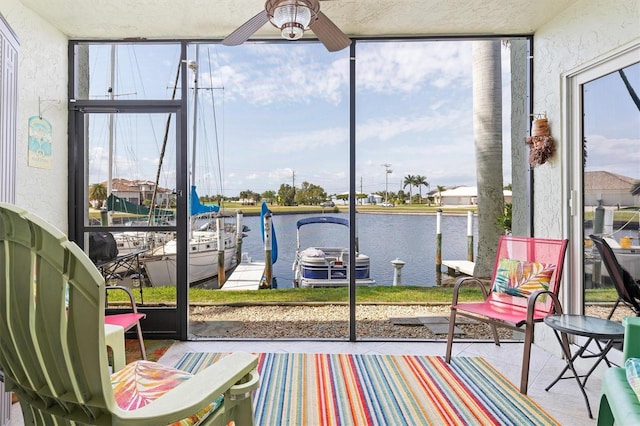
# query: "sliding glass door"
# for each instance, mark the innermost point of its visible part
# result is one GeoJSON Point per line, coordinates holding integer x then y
{"type": "Point", "coordinates": [605, 173]}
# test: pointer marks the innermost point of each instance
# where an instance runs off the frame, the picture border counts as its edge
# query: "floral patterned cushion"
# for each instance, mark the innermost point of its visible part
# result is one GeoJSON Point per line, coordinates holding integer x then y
{"type": "Point", "coordinates": [142, 382]}
{"type": "Point", "coordinates": [632, 367]}
{"type": "Point", "coordinates": [519, 278]}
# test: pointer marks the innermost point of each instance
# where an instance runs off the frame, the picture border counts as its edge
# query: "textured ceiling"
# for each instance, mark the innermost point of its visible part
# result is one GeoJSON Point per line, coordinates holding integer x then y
{"type": "Point", "coordinates": [357, 18]}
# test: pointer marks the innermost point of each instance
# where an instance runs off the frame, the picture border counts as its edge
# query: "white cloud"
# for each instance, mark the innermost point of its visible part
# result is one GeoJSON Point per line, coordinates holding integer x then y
{"type": "Point", "coordinates": [282, 74]}
{"type": "Point", "coordinates": [406, 67]}
{"type": "Point", "coordinates": [605, 154]}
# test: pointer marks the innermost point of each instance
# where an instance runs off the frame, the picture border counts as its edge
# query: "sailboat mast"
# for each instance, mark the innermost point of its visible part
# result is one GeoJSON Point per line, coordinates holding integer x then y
{"type": "Point", "coordinates": [194, 67]}
{"type": "Point", "coordinates": [164, 147]}
{"type": "Point", "coordinates": [111, 117]}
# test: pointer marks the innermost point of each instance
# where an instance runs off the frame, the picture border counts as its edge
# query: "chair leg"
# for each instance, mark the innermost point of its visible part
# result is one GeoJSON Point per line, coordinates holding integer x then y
{"type": "Point", "coordinates": [494, 330]}
{"type": "Point", "coordinates": [143, 351]}
{"type": "Point", "coordinates": [452, 326]}
{"type": "Point", "coordinates": [243, 413]}
{"type": "Point", "coordinates": [526, 358]}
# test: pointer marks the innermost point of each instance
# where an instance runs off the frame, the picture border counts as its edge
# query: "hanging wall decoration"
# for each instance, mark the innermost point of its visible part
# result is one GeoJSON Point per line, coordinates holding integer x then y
{"type": "Point", "coordinates": [40, 152]}
{"type": "Point", "coordinates": [541, 144]}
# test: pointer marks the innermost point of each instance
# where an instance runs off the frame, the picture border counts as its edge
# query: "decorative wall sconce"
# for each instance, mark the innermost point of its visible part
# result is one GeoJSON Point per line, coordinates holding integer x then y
{"type": "Point", "coordinates": [541, 144]}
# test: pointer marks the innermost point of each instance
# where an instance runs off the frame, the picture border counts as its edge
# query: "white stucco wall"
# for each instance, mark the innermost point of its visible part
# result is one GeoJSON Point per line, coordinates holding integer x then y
{"type": "Point", "coordinates": [42, 73]}
{"type": "Point", "coordinates": [586, 31]}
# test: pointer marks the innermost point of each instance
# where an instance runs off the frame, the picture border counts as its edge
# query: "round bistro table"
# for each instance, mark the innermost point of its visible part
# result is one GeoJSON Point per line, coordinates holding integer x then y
{"type": "Point", "coordinates": [595, 329]}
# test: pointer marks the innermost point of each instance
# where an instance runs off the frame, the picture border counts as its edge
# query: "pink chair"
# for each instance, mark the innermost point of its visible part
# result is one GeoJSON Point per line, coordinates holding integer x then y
{"type": "Point", "coordinates": [524, 289]}
{"type": "Point", "coordinates": [127, 320]}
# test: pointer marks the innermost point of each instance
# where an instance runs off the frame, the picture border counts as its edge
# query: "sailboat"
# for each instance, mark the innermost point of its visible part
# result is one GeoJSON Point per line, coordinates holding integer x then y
{"type": "Point", "coordinates": [209, 232]}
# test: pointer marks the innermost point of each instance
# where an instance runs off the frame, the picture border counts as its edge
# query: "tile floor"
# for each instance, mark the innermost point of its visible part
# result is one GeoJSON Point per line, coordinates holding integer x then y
{"type": "Point", "coordinates": [564, 401]}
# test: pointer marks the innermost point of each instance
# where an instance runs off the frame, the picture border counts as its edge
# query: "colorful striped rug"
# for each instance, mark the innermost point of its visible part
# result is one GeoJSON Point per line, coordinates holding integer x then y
{"type": "Point", "coordinates": [344, 389]}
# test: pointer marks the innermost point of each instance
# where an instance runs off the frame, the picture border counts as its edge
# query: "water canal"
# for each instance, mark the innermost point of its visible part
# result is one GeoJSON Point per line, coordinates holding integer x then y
{"type": "Point", "coordinates": [383, 237]}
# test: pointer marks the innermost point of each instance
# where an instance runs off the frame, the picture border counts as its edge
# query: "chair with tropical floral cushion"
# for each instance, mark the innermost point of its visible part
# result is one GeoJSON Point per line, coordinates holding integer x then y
{"type": "Point", "coordinates": [524, 288]}
{"type": "Point", "coordinates": [52, 345]}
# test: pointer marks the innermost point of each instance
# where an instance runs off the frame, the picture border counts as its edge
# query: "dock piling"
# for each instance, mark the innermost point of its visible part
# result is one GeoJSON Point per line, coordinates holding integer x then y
{"type": "Point", "coordinates": [220, 242]}
{"type": "Point", "coordinates": [266, 282]}
{"type": "Point", "coordinates": [438, 241]}
{"type": "Point", "coordinates": [239, 217]}
{"type": "Point", "coordinates": [470, 236]}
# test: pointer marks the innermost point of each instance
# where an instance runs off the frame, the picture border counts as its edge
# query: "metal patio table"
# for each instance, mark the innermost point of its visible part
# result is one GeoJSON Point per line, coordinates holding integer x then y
{"type": "Point", "coordinates": [595, 329]}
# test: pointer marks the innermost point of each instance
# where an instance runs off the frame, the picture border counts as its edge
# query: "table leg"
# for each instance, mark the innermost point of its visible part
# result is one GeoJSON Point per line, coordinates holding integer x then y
{"type": "Point", "coordinates": [603, 355]}
{"type": "Point", "coordinates": [569, 360]}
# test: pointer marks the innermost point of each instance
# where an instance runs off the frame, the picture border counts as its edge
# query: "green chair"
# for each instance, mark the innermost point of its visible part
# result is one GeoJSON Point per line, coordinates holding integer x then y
{"type": "Point", "coordinates": [619, 404]}
{"type": "Point", "coordinates": [52, 344]}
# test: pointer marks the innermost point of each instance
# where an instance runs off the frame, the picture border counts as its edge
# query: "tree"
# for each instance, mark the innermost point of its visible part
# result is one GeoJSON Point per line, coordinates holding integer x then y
{"type": "Point", "coordinates": [361, 196]}
{"type": "Point", "coordinates": [310, 194]}
{"type": "Point", "coordinates": [286, 195]}
{"type": "Point", "coordinates": [440, 189]}
{"type": "Point", "coordinates": [487, 126]}
{"type": "Point", "coordinates": [391, 196]}
{"type": "Point", "coordinates": [635, 189]}
{"type": "Point", "coordinates": [269, 196]}
{"type": "Point", "coordinates": [98, 193]}
{"type": "Point", "coordinates": [249, 197]}
{"type": "Point", "coordinates": [504, 220]}
{"type": "Point", "coordinates": [409, 180]}
{"type": "Point", "coordinates": [419, 181]}
{"type": "Point", "coordinates": [402, 196]}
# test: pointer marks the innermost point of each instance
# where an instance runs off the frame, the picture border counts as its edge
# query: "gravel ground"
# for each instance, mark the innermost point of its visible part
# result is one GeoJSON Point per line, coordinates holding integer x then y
{"type": "Point", "coordinates": [331, 321]}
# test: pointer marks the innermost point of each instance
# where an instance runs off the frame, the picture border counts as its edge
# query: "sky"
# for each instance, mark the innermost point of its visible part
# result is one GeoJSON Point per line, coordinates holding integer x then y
{"type": "Point", "coordinates": [282, 115]}
{"type": "Point", "coordinates": [612, 133]}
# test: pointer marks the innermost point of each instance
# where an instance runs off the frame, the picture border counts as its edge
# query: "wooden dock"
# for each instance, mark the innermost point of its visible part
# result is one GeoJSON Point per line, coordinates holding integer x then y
{"type": "Point", "coordinates": [458, 267]}
{"type": "Point", "coordinates": [246, 276]}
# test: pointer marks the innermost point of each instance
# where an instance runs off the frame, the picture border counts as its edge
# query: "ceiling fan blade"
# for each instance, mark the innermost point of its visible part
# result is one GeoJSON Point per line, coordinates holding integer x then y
{"type": "Point", "coordinates": [246, 30]}
{"type": "Point", "coordinates": [329, 34]}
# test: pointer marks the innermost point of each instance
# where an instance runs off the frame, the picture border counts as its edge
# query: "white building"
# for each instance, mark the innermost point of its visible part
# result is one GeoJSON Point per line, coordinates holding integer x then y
{"type": "Point", "coordinates": [612, 189]}
{"type": "Point", "coordinates": [463, 196]}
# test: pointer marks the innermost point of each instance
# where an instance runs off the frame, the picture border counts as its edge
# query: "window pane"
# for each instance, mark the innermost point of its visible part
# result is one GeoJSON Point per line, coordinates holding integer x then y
{"type": "Point", "coordinates": [278, 115]}
{"type": "Point", "coordinates": [415, 155]}
{"type": "Point", "coordinates": [128, 181]}
{"type": "Point", "coordinates": [611, 129]}
{"type": "Point", "coordinates": [125, 71]}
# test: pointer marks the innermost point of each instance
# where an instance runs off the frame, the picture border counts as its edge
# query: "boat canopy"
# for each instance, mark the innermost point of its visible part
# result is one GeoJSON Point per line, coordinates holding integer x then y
{"type": "Point", "coordinates": [322, 219]}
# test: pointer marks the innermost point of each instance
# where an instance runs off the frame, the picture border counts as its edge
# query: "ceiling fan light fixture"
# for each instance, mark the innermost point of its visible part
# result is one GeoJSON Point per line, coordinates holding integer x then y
{"type": "Point", "coordinates": [292, 18]}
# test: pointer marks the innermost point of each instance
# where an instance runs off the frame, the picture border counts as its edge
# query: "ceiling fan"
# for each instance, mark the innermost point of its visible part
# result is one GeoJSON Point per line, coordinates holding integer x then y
{"type": "Point", "coordinates": [292, 18]}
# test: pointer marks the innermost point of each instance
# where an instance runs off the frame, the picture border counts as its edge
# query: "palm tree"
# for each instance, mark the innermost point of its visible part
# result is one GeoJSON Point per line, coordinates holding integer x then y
{"type": "Point", "coordinates": [98, 192]}
{"type": "Point", "coordinates": [410, 181]}
{"type": "Point", "coordinates": [419, 181]}
{"type": "Point", "coordinates": [635, 189]}
{"type": "Point", "coordinates": [440, 189]}
{"type": "Point", "coordinates": [487, 126]}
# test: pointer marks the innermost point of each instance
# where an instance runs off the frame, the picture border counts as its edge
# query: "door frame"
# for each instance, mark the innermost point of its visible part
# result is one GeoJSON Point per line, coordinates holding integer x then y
{"type": "Point", "coordinates": [572, 83]}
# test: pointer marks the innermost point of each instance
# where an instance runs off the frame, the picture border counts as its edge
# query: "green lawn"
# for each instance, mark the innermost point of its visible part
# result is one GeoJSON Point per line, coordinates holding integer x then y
{"type": "Point", "coordinates": [377, 294]}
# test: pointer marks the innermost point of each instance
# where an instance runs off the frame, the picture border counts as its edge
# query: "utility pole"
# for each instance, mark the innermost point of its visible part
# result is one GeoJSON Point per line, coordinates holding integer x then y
{"type": "Point", "coordinates": [387, 170]}
{"type": "Point", "coordinates": [293, 184]}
